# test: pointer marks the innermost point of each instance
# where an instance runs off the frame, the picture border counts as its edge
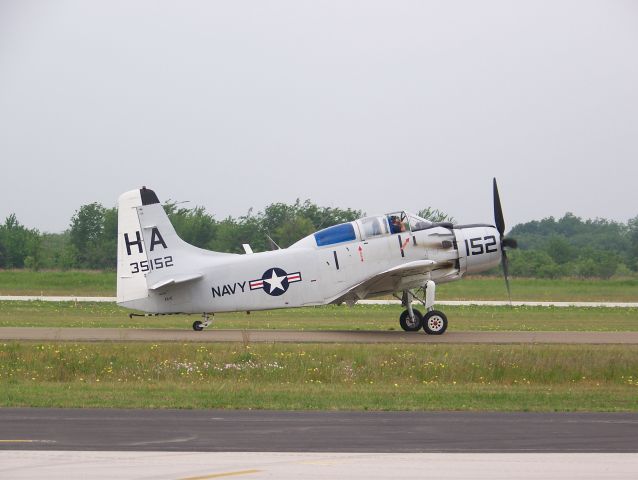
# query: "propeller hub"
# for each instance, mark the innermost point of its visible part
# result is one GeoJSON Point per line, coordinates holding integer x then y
{"type": "Point", "coordinates": [509, 243]}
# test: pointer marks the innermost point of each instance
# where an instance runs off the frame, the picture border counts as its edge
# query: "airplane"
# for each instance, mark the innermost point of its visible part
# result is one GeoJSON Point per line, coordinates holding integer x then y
{"type": "Point", "coordinates": [159, 273]}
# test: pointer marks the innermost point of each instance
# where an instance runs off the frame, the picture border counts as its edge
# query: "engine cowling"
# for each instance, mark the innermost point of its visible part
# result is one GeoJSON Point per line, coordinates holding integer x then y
{"type": "Point", "coordinates": [479, 248]}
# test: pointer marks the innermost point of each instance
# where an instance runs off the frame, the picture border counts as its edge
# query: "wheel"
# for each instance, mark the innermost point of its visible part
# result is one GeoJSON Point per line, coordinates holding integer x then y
{"type": "Point", "coordinates": [197, 326]}
{"type": "Point", "coordinates": [406, 322]}
{"type": "Point", "coordinates": [435, 322]}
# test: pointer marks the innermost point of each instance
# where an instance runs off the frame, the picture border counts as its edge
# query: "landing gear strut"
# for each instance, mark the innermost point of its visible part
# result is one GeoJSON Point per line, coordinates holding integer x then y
{"type": "Point", "coordinates": [411, 320]}
{"type": "Point", "coordinates": [434, 322]}
{"type": "Point", "coordinates": [199, 326]}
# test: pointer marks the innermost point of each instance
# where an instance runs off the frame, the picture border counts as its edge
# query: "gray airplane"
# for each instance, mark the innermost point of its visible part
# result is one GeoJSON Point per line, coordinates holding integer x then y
{"type": "Point", "coordinates": [159, 273]}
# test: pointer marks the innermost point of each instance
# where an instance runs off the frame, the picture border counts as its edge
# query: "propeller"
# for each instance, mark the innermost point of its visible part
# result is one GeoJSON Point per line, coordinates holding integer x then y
{"type": "Point", "coordinates": [506, 242]}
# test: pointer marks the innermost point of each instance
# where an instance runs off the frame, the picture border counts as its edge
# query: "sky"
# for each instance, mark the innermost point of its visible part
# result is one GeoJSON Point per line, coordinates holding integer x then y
{"type": "Point", "coordinates": [373, 105]}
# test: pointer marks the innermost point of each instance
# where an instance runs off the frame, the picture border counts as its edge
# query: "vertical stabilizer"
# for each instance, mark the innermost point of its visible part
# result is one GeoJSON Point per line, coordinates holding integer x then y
{"type": "Point", "coordinates": [151, 256]}
{"type": "Point", "coordinates": [131, 253]}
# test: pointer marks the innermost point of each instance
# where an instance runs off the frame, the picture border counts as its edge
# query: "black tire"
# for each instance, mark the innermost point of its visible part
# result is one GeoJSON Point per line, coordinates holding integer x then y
{"type": "Point", "coordinates": [435, 323]}
{"type": "Point", "coordinates": [197, 326]}
{"type": "Point", "coordinates": [407, 324]}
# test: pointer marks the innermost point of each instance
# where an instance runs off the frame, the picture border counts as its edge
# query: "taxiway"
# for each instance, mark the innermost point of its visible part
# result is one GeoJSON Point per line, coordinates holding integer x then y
{"type": "Point", "coordinates": [296, 336]}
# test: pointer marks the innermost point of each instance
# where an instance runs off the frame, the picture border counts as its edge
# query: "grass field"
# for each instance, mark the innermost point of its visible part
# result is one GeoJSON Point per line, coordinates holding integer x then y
{"type": "Point", "coordinates": [76, 283]}
{"type": "Point", "coordinates": [329, 377]}
{"type": "Point", "coordinates": [324, 376]}
{"type": "Point", "coordinates": [88, 283]}
{"type": "Point", "coordinates": [359, 317]}
{"type": "Point", "coordinates": [559, 290]}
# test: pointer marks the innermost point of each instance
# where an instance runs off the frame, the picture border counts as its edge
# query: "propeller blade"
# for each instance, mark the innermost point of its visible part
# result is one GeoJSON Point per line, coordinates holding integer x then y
{"type": "Point", "coordinates": [504, 263]}
{"type": "Point", "coordinates": [499, 221]}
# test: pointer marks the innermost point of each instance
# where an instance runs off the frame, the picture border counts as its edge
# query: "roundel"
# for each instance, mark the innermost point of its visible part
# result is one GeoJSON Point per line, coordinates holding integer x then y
{"type": "Point", "coordinates": [275, 281]}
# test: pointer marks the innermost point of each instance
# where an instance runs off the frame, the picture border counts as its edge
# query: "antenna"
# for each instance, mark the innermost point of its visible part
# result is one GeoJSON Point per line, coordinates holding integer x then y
{"type": "Point", "coordinates": [273, 244]}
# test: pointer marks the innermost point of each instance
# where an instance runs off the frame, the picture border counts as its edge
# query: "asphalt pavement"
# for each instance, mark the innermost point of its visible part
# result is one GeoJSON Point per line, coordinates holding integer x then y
{"type": "Point", "coordinates": [301, 431]}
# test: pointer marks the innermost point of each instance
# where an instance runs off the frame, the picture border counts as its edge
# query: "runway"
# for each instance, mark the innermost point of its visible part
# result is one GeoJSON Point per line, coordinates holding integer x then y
{"type": "Point", "coordinates": [296, 336]}
{"type": "Point", "coordinates": [282, 431]}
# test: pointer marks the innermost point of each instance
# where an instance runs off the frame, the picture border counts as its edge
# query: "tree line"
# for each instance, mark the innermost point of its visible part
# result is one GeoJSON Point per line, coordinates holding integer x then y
{"type": "Point", "coordinates": [548, 248]}
{"type": "Point", "coordinates": [573, 247]}
{"type": "Point", "coordinates": [90, 242]}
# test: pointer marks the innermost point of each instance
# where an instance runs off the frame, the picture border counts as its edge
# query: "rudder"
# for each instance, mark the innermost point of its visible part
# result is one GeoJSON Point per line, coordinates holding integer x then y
{"type": "Point", "coordinates": [131, 253]}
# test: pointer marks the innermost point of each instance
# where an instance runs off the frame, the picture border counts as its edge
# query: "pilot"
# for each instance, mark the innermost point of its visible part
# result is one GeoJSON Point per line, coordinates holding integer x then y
{"type": "Point", "coordinates": [395, 224]}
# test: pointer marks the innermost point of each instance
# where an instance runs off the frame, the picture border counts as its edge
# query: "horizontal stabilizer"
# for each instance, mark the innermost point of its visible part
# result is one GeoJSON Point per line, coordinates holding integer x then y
{"type": "Point", "coordinates": [175, 280]}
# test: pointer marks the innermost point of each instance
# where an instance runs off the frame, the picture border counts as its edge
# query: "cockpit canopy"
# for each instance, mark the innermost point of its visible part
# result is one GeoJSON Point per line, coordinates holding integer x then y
{"type": "Point", "coordinates": [370, 227]}
{"type": "Point", "coordinates": [404, 222]}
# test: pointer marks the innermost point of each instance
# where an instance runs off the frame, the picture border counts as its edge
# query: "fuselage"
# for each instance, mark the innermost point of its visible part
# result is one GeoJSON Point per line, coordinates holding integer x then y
{"type": "Point", "coordinates": [322, 268]}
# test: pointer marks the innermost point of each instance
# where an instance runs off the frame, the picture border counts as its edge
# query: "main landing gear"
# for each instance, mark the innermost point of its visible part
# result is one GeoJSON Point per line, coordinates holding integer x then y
{"type": "Point", "coordinates": [199, 326]}
{"type": "Point", "coordinates": [411, 320]}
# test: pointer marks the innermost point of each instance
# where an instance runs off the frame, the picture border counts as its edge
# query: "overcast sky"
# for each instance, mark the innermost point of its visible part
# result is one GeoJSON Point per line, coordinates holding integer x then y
{"type": "Point", "coordinates": [375, 105]}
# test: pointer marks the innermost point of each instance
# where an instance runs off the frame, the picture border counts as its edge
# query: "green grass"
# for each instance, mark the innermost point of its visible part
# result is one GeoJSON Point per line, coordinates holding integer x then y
{"type": "Point", "coordinates": [72, 283]}
{"type": "Point", "coordinates": [530, 289]}
{"type": "Point", "coordinates": [90, 283]}
{"type": "Point", "coordinates": [359, 317]}
{"type": "Point", "coordinates": [330, 377]}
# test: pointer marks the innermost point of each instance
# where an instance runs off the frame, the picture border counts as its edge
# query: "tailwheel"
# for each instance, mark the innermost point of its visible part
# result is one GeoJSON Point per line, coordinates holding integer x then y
{"type": "Point", "coordinates": [411, 325]}
{"type": "Point", "coordinates": [435, 322]}
{"type": "Point", "coordinates": [198, 326]}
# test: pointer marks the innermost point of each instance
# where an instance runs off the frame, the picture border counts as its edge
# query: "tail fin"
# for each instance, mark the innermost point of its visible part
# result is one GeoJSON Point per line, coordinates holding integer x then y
{"type": "Point", "coordinates": [150, 254]}
{"type": "Point", "coordinates": [131, 254]}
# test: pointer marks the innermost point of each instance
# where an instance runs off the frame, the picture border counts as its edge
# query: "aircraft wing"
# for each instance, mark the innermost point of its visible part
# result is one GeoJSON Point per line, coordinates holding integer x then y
{"type": "Point", "coordinates": [408, 275]}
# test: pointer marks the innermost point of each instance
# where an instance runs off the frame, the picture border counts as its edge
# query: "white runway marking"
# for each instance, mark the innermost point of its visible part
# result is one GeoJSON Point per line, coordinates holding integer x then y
{"type": "Point", "coordinates": [39, 298]}
{"type": "Point", "coordinates": [71, 465]}
{"type": "Point", "coordinates": [491, 303]}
